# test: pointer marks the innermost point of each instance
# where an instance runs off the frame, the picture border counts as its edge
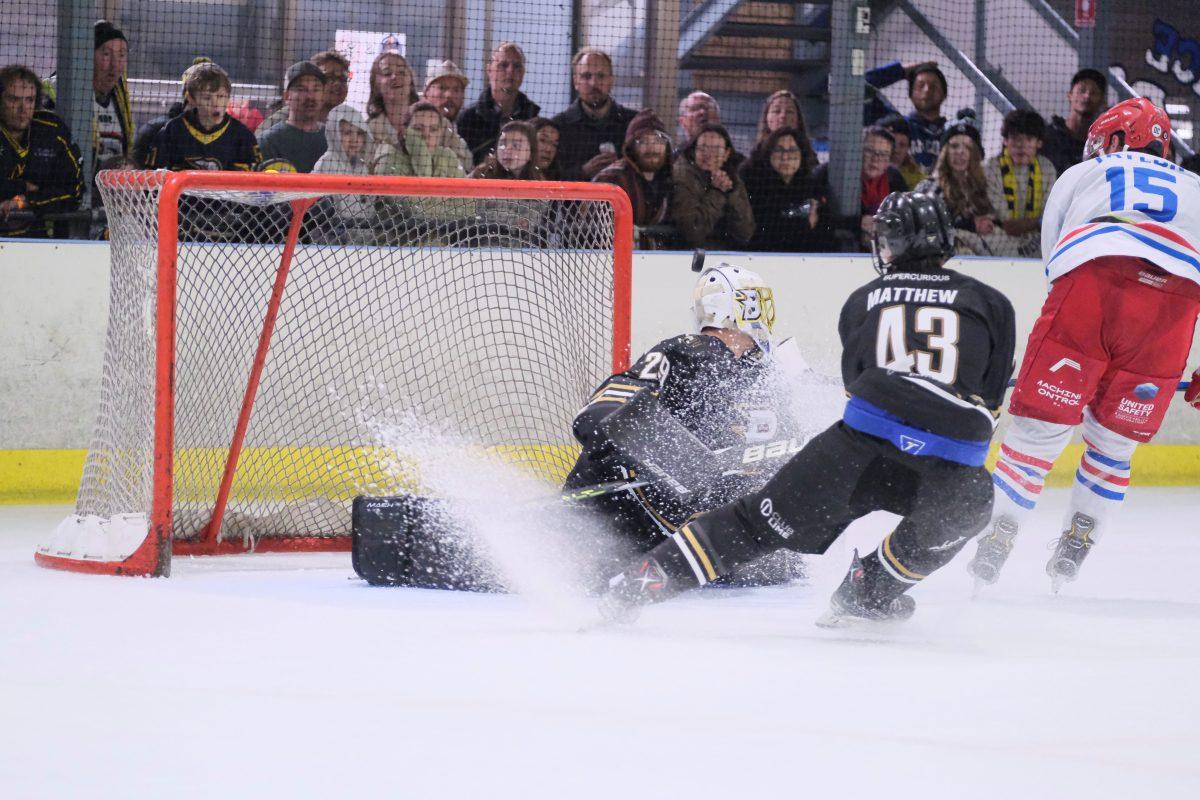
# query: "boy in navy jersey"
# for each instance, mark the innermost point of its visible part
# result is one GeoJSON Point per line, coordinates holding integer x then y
{"type": "Point", "coordinates": [205, 136]}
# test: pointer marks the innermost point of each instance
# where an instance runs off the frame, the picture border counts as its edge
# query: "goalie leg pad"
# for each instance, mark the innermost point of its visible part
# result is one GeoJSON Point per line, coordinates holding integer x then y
{"type": "Point", "coordinates": [408, 540]}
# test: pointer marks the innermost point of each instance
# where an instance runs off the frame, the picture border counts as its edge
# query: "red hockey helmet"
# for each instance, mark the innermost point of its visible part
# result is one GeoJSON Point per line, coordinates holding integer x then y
{"type": "Point", "coordinates": [1140, 124]}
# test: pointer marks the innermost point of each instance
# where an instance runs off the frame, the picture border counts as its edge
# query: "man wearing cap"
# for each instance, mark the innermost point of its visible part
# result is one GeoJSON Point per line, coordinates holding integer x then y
{"type": "Point", "coordinates": [501, 101]}
{"type": "Point", "coordinates": [644, 172]}
{"type": "Point", "coordinates": [1065, 138]}
{"type": "Point", "coordinates": [112, 114]}
{"type": "Point", "coordinates": [445, 88]}
{"type": "Point", "coordinates": [300, 139]}
{"type": "Point", "coordinates": [336, 68]}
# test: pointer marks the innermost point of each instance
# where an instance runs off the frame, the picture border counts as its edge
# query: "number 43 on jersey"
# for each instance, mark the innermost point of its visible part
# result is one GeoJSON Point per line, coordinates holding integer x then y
{"type": "Point", "coordinates": [939, 329]}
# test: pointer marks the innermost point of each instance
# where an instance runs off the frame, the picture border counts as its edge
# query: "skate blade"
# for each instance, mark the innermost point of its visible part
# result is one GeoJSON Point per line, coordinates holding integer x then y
{"type": "Point", "coordinates": [836, 620]}
{"type": "Point", "coordinates": [977, 588]}
{"type": "Point", "coordinates": [1057, 582]}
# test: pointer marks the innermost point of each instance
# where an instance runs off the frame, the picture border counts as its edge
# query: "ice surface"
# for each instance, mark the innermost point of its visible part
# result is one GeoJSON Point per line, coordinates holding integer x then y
{"type": "Point", "coordinates": [274, 676]}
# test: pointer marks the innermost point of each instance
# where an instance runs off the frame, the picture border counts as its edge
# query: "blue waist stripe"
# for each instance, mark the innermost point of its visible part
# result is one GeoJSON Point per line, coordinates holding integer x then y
{"type": "Point", "coordinates": [872, 420]}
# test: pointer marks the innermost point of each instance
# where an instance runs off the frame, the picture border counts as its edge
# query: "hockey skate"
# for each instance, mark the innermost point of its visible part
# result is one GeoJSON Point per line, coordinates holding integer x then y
{"type": "Point", "coordinates": [1071, 549]}
{"type": "Point", "coordinates": [641, 585]}
{"type": "Point", "coordinates": [994, 549]}
{"type": "Point", "coordinates": [852, 604]}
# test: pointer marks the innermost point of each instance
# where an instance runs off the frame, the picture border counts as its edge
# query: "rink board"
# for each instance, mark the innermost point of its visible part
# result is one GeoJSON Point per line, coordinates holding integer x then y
{"type": "Point", "coordinates": [51, 352]}
{"type": "Point", "coordinates": [52, 476]}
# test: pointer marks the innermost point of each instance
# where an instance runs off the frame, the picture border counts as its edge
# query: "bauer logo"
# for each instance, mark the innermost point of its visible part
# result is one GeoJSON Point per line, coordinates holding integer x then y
{"type": "Point", "coordinates": [910, 445]}
{"type": "Point", "coordinates": [1145, 391]}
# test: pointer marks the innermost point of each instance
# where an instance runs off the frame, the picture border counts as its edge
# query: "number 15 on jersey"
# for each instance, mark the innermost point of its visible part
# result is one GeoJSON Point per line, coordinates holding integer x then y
{"type": "Point", "coordinates": [1143, 189]}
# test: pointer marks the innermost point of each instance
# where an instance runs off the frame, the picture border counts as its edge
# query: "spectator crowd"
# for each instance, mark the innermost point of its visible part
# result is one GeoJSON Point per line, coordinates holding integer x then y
{"type": "Point", "coordinates": [695, 190]}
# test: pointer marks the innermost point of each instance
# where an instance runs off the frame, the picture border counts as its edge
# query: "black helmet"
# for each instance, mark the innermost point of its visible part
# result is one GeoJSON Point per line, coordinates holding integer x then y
{"type": "Point", "coordinates": [912, 227]}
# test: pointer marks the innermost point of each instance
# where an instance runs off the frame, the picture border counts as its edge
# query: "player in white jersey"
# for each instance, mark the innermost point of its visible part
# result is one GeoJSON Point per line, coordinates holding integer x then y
{"type": "Point", "coordinates": [1121, 242]}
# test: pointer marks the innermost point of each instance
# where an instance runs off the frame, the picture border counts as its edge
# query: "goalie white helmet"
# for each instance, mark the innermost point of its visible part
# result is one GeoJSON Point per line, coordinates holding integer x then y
{"type": "Point", "coordinates": [729, 296]}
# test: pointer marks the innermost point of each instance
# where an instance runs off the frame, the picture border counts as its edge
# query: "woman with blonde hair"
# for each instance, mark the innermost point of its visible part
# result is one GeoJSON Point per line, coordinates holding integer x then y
{"type": "Point", "coordinates": [958, 179]}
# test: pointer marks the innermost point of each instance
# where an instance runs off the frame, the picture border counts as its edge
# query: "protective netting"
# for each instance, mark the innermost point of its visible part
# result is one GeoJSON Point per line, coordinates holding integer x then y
{"type": "Point", "coordinates": [1004, 54]}
{"type": "Point", "coordinates": [491, 318]}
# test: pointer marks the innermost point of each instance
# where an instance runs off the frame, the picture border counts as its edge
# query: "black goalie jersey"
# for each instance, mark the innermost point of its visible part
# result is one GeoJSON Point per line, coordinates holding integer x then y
{"type": "Point", "coordinates": [723, 400]}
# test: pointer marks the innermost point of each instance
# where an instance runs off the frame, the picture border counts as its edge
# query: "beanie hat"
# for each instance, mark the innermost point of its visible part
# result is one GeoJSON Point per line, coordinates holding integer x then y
{"type": "Point", "coordinates": [965, 125]}
{"type": "Point", "coordinates": [645, 120]}
{"type": "Point", "coordinates": [104, 31]}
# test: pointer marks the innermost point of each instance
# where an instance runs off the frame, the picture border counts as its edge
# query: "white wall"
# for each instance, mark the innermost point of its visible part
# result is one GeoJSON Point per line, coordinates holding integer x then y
{"type": "Point", "coordinates": [54, 306]}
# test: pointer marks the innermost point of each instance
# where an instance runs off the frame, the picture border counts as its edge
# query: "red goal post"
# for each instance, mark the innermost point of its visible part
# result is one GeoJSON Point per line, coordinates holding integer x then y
{"type": "Point", "coordinates": [261, 323]}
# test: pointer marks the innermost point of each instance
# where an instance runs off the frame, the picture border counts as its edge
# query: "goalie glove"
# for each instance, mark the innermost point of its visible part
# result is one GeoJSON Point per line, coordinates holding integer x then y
{"type": "Point", "coordinates": [1192, 394]}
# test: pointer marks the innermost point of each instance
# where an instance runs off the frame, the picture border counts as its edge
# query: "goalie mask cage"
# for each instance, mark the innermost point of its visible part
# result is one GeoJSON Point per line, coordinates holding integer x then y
{"type": "Point", "coordinates": [260, 325]}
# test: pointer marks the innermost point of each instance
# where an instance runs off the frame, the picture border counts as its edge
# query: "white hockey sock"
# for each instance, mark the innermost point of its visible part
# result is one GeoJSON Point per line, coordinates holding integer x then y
{"type": "Point", "coordinates": [1027, 453]}
{"type": "Point", "coordinates": [1103, 475]}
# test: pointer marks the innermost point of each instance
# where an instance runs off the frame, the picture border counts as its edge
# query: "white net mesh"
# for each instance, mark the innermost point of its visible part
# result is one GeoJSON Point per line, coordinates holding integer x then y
{"type": "Point", "coordinates": [489, 317]}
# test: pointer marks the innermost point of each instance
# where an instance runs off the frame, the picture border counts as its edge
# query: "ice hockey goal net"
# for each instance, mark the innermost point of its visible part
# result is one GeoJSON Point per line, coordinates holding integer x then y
{"type": "Point", "coordinates": [260, 323]}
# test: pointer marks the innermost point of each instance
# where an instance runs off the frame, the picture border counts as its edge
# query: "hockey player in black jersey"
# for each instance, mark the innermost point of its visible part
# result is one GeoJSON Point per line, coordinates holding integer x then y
{"type": "Point", "coordinates": [927, 356]}
{"type": "Point", "coordinates": [204, 136]}
{"type": "Point", "coordinates": [677, 424]}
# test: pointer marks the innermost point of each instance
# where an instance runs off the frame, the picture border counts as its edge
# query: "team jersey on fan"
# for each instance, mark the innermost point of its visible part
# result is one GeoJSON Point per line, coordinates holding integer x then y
{"type": "Point", "coordinates": [182, 144]}
{"type": "Point", "coordinates": [1123, 204]}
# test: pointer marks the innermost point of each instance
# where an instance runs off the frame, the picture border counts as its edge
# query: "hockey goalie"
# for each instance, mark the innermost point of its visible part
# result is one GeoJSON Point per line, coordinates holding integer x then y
{"type": "Point", "coordinates": [698, 420]}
